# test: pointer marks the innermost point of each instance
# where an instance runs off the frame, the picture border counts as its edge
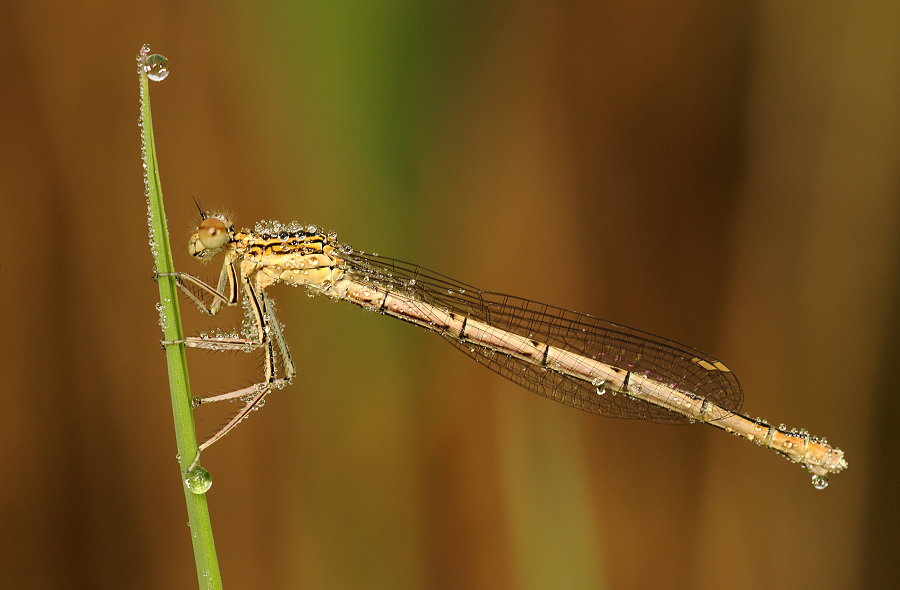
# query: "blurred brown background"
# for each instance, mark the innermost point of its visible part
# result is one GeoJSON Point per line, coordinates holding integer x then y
{"type": "Point", "coordinates": [725, 174]}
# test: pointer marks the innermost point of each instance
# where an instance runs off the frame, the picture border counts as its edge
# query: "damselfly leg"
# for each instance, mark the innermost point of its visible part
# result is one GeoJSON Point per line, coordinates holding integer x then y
{"type": "Point", "coordinates": [264, 331]}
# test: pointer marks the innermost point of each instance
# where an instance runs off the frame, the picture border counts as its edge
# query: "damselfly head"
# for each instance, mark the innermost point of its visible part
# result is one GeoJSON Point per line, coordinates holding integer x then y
{"type": "Point", "coordinates": [211, 236]}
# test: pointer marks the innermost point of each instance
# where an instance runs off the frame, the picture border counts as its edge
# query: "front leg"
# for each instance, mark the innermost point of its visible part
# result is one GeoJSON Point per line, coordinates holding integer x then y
{"type": "Point", "coordinates": [198, 291]}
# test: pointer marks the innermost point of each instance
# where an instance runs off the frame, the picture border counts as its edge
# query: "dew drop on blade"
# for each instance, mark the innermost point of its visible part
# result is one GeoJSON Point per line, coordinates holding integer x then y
{"type": "Point", "coordinates": [157, 67]}
{"type": "Point", "coordinates": [198, 480]}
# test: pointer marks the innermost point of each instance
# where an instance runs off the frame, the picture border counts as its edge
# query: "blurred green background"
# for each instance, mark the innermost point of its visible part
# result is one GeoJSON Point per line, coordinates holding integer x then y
{"type": "Point", "coordinates": [725, 174]}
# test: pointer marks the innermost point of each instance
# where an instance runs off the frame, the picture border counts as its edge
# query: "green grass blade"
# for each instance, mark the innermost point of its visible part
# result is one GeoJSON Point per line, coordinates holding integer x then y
{"type": "Point", "coordinates": [170, 319]}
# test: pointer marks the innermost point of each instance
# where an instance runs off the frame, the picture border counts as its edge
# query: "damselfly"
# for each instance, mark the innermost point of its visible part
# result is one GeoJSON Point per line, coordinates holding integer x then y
{"type": "Point", "coordinates": [574, 358]}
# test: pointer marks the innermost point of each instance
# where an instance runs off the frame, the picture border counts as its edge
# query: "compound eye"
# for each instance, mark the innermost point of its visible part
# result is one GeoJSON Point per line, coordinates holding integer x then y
{"type": "Point", "coordinates": [212, 233]}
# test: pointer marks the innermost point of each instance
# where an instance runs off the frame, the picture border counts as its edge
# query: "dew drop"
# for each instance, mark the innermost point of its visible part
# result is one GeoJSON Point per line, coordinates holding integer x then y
{"type": "Point", "coordinates": [820, 482]}
{"type": "Point", "coordinates": [198, 480]}
{"type": "Point", "coordinates": [157, 67]}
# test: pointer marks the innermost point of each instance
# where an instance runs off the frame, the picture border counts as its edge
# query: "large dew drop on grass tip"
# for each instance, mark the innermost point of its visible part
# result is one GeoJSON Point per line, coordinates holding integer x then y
{"type": "Point", "coordinates": [157, 67]}
{"type": "Point", "coordinates": [198, 480]}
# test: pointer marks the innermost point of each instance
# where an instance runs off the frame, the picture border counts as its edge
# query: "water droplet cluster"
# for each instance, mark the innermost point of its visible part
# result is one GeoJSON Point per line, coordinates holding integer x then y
{"type": "Point", "coordinates": [156, 68]}
{"type": "Point", "coordinates": [275, 229]}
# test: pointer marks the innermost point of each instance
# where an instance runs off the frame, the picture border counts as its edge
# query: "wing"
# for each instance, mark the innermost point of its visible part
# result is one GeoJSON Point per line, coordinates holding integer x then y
{"type": "Point", "coordinates": [664, 361]}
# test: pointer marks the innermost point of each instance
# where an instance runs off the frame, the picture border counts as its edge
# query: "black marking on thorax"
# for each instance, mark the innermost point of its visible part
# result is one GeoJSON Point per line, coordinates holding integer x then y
{"type": "Point", "coordinates": [283, 244]}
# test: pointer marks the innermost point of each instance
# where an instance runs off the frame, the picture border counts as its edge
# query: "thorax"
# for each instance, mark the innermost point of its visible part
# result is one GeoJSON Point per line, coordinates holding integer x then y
{"type": "Point", "coordinates": [293, 256]}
